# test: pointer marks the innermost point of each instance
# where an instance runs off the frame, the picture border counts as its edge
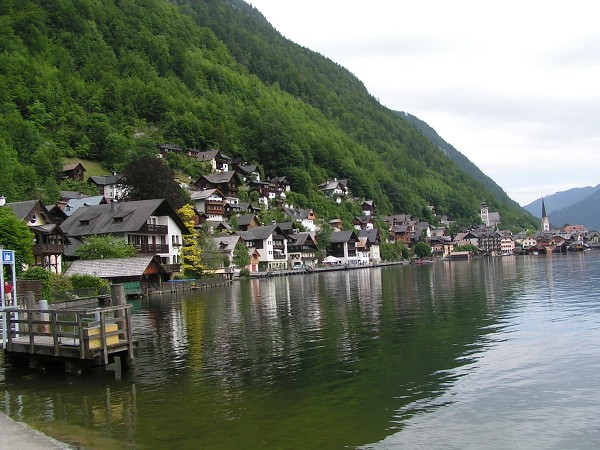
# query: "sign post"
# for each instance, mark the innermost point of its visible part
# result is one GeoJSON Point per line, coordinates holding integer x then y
{"type": "Point", "coordinates": [8, 259]}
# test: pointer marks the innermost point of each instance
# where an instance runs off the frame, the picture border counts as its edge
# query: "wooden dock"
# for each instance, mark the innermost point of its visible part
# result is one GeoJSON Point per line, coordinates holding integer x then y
{"type": "Point", "coordinates": [77, 338]}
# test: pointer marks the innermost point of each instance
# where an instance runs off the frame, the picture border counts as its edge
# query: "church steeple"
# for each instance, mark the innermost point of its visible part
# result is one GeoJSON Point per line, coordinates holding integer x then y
{"type": "Point", "coordinates": [545, 222]}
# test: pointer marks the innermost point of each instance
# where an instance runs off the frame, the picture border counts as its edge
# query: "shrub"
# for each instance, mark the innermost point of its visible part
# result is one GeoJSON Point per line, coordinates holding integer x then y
{"type": "Point", "coordinates": [88, 282]}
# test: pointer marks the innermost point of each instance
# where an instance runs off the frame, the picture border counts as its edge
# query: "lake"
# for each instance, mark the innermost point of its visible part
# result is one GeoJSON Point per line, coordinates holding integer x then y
{"type": "Point", "coordinates": [493, 353]}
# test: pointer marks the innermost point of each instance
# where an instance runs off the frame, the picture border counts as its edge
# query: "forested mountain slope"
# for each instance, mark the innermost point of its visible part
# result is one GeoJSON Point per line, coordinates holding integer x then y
{"type": "Point", "coordinates": [110, 80]}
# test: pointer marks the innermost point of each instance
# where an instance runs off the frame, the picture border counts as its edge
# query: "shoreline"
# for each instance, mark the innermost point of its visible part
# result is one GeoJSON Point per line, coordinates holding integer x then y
{"type": "Point", "coordinates": [20, 436]}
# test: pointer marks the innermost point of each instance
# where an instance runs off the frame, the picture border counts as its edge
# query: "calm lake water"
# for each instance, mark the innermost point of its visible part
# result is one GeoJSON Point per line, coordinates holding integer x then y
{"type": "Point", "coordinates": [500, 353]}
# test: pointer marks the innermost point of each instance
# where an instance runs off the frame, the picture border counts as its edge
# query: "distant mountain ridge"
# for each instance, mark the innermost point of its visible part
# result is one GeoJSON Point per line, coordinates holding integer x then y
{"type": "Point", "coordinates": [577, 206]}
{"type": "Point", "coordinates": [459, 159]}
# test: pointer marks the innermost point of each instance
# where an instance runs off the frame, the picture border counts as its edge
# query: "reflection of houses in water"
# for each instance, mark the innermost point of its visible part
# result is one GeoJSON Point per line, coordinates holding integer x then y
{"type": "Point", "coordinates": [112, 408]}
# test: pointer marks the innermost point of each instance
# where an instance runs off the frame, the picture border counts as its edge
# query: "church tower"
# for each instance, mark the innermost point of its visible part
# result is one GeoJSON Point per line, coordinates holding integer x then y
{"type": "Point", "coordinates": [485, 214]}
{"type": "Point", "coordinates": [545, 221]}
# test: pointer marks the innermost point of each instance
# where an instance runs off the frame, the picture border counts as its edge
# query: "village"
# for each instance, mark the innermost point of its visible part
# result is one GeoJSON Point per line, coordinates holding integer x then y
{"type": "Point", "coordinates": [154, 228]}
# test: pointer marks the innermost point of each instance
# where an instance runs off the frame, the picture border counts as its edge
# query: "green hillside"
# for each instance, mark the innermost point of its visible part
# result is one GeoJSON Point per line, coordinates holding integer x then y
{"type": "Point", "coordinates": [108, 81]}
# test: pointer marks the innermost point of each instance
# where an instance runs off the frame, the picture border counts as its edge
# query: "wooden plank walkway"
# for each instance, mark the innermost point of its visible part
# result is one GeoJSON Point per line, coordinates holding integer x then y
{"type": "Point", "coordinates": [78, 337]}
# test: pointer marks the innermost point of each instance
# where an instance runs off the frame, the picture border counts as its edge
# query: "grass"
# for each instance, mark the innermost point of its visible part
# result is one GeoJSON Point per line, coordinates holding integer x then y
{"type": "Point", "coordinates": [92, 168]}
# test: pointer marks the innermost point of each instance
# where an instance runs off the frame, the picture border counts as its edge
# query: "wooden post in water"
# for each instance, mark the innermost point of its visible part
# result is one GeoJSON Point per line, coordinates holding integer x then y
{"type": "Point", "coordinates": [29, 304]}
{"type": "Point", "coordinates": [119, 299]}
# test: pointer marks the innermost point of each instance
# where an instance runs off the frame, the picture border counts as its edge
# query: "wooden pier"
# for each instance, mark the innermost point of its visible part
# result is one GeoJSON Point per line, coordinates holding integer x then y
{"type": "Point", "coordinates": [77, 338]}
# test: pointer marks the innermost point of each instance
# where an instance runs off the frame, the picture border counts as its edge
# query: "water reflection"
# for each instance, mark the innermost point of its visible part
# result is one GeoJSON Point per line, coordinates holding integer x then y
{"type": "Point", "coordinates": [322, 360]}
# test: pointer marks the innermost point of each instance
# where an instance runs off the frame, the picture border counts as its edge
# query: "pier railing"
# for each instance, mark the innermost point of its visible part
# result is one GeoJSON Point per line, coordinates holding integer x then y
{"type": "Point", "coordinates": [76, 333]}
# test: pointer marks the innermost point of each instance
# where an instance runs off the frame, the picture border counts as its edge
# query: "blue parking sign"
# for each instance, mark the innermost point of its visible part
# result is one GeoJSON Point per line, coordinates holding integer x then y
{"type": "Point", "coordinates": [8, 256]}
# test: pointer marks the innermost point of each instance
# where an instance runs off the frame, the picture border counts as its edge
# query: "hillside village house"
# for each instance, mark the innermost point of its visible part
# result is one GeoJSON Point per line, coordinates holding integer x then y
{"type": "Point", "coordinates": [225, 245]}
{"type": "Point", "coordinates": [227, 183]}
{"type": "Point", "coordinates": [507, 245]}
{"type": "Point", "coordinates": [218, 161]}
{"type": "Point", "coordinates": [108, 185]}
{"type": "Point", "coordinates": [529, 242]}
{"type": "Point", "coordinates": [374, 244]}
{"type": "Point", "coordinates": [74, 171]}
{"type": "Point", "coordinates": [342, 245]}
{"type": "Point", "coordinates": [49, 237]}
{"type": "Point", "coordinates": [210, 202]}
{"type": "Point", "coordinates": [302, 250]}
{"type": "Point", "coordinates": [306, 217]}
{"type": "Point", "coordinates": [152, 226]}
{"type": "Point", "coordinates": [337, 189]}
{"type": "Point", "coordinates": [270, 242]}
{"type": "Point", "coordinates": [247, 172]}
{"type": "Point", "coordinates": [369, 208]}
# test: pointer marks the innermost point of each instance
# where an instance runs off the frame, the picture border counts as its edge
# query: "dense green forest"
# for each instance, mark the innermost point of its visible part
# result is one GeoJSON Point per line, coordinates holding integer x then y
{"type": "Point", "coordinates": [109, 80]}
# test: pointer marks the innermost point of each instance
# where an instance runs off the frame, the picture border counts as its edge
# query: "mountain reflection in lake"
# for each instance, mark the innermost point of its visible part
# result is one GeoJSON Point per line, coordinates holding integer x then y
{"type": "Point", "coordinates": [499, 353]}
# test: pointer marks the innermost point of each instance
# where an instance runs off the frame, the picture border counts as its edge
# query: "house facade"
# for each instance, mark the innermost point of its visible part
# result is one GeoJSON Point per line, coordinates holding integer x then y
{"type": "Point", "coordinates": [302, 251]}
{"type": "Point", "coordinates": [49, 237]}
{"type": "Point", "coordinates": [108, 185]}
{"type": "Point", "coordinates": [151, 226]}
{"type": "Point", "coordinates": [342, 245]}
{"type": "Point", "coordinates": [210, 202]}
{"type": "Point", "coordinates": [270, 243]}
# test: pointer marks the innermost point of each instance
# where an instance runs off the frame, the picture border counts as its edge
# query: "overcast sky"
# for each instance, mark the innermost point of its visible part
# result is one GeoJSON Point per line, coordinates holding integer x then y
{"type": "Point", "coordinates": [513, 85]}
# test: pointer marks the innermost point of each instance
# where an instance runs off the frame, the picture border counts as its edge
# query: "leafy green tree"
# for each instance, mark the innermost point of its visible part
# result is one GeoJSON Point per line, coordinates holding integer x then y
{"type": "Point", "coordinates": [148, 178]}
{"type": "Point", "coordinates": [241, 258]}
{"type": "Point", "coordinates": [467, 248]}
{"type": "Point", "coordinates": [323, 238]}
{"type": "Point", "coordinates": [393, 251]}
{"type": "Point", "coordinates": [88, 282]}
{"type": "Point", "coordinates": [103, 247]}
{"type": "Point", "coordinates": [191, 265]}
{"type": "Point", "coordinates": [15, 235]}
{"type": "Point", "coordinates": [422, 249]}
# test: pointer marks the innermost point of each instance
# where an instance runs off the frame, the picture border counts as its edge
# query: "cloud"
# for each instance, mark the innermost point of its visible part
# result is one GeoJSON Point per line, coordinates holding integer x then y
{"type": "Point", "coordinates": [512, 85]}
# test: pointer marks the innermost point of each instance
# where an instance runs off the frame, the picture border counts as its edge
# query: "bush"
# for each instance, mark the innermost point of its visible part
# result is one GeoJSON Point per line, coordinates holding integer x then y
{"type": "Point", "coordinates": [244, 272]}
{"type": "Point", "coordinates": [88, 282]}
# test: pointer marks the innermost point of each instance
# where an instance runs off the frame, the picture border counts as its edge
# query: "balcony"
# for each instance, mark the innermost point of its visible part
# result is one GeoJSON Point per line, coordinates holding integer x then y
{"type": "Point", "coordinates": [150, 228]}
{"type": "Point", "coordinates": [152, 248]}
{"type": "Point", "coordinates": [172, 268]}
{"type": "Point", "coordinates": [48, 249]}
{"type": "Point", "coordinates": [279, 256]}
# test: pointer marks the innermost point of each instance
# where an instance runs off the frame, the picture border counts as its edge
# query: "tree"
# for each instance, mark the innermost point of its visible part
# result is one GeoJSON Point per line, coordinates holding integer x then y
{"type": "Point", "coordinates": [102, 247]}
{"type": "Point", "coordinates": [241, 258]}
{"type": "Point", "coordinates": [148, 178]}
{"type": "Point", "coordinates": [15, 235]}
{"type": "Point", "coordinates": [467, 248]}
{"type": "Point", "coordinates": [393, 251]}
{"type": "Point", "coordinates": [422, 249]}
{"type": "Point", "coordinates": [191, 265]}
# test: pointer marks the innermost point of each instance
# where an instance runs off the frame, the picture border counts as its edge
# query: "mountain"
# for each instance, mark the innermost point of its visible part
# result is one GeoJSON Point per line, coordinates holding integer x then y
{"type": "Point", "coordinates": [584, 212]}
{"type": "Point", "coordinates": [461, 160]}
{"type": "Point", "coordinates": [560, 200]}
{"type": "Point", "coordinates": [108, 81]}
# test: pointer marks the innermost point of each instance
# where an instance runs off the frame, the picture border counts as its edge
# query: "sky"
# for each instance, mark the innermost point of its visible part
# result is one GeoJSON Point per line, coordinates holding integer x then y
{"type": "Point", "coordinates": [514, 86]}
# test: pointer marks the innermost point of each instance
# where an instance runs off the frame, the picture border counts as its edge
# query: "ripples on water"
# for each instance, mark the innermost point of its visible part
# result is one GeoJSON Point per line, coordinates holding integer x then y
{"type": "Point", "coordinates": [499, 353]}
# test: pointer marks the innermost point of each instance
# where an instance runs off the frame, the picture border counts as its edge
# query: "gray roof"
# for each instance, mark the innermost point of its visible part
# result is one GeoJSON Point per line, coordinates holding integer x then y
{"type": "Point", "coordinates": [297, 213]}
{"type": "Point", "coordinates": [76, 203]}
{"type": "Point", "coordinates": [258, 232]}
{"type": "Point", "coordinates": [371, 235]}
{"type": "Point", "coordinates": [301, 238]}
{"type": "Point", "coordinates": [204, 194]}
{"type": "Point", "coordinates": [72, 194]}
{"type": "Point", "coordinates": [210, 155]}
{"type": "Point", "coordinates": [105, 180]}
{"type": "Point", "coordinates": [226, 243]}
{"type": "Point", "coordinates": [100, 219]}
{"type": "Point", "coordinates": [219, 177]}
{"type": "Point", "coordinates": [112, 267]}
{"type": "Point", "coordinates": [341, 236]}
{"type": "Point", "coordinates": [22, 209]}
{"type": "Point", "coordinates": [246, 219]}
